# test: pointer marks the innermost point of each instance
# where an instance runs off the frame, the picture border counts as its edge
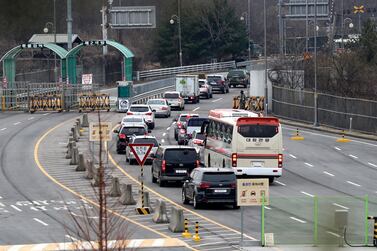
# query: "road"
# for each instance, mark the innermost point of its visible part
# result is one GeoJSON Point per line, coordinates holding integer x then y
{"type": "Point", "coordinates": [340, 174]}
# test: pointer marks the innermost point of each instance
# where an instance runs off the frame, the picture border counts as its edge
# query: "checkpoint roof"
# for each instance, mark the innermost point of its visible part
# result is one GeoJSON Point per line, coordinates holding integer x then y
{"type": "Point", "coordinates": [49, 38]}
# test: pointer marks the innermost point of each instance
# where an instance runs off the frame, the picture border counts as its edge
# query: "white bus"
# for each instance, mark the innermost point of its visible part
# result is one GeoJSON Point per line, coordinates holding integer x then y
{"type": "Point", "coordinates": [250, 144]}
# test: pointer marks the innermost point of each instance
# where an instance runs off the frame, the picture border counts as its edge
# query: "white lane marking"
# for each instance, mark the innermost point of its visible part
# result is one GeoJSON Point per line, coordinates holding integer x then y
{"type": "Point", "coordinates": [30, 118]}
{"type": "Point", "coordinates": [308, 164]}
{"type": "Point", "coordinates": [371, 164]}
{"type": "Point", "coordinates": [62, 143]}
{"type": "Point", "coordinates": [352, 183]}
{"type": "Point", "coordinates": [45, 114]}
{"type": "Point", "coordinates": [266, 207]}
{"type": "Point", "coordinates": [167, 129]}
{"type": "Point", "coordinates": [308, 194]}
{"type": "Point", "coordinates": [71, 237]}
{"type": "Point", "coordinates": [134, 243]}
{"type": "Point", "coordinates": [1, 197]}
{"type": "Point", "coordinates": [2, 205]}
{"type": "Point", "coordinates": [328, 136]}
{"type": "Point", "coordinates": [2, 129]}
{"type": "Point", "coordinates": [280, 183]}
{"type": "Point", "coordinates": [164, 134]}
{"type": "Point", "coordinates": [17, 123]}
{"type": "Point", "coordinates": [39, 247]}
{"type": "Point", "coordinates": [213, 101]}
{"type": "Point", "coordinates": [162, 141]}
{"type": "Point", "coordinates": [294, 218]}
{"type": "Point", "coordinates": [38, 220]}
{"type": "Point", "coordinates": [158, 243]}
{"type": "Point", "coordinates": [329, 174]}
{"type": "Point", "coordinates": [336, 235]}
{"type": "Point", "coordinates": [353, 156]}
{"type": "Point", "coordinates": [338, 205]}
{"type": "Point", "coordinates": [337, 148]}
{"type": "Point", "coordinates": [293, 156]}
{"type": "Point", "coordinates": [16, 208]}
{"type": "Point", "coordinates": [197, 108]}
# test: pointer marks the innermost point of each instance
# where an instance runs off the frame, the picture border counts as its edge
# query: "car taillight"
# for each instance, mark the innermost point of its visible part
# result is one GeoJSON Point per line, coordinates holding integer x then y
{"type": "Point", "coordinates": [148, 113]}
{"type": "Point", "coordinates": [222, 82]}
{"type": "Point", "coordinates": [197, 163]}
{"type": "Point", "coordinates": [163, 166]}
{"type": "Point", "coordinates": [233, 185]}
{"type": "Point", "coordinates": [182, 131]}
{"type": "Point", "coordinates": [179, 124]}
{"type": "Point", "coordinates": [164, 108]}
{"type": "Point", "coordinates": [204, 185]}
{"type": "Point", "coordinates": [280, 160]}
{"type": "Point", "coordinates": [129, 113]}
{"type": "Point", "coordinates": [197, 141]}
{"type": "Point", "coordinates": [234, 159]}
{"type": "Point", "coordinates": [122, 136]}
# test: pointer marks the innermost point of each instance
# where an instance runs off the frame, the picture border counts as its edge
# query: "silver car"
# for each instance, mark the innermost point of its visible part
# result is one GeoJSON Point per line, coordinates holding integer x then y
{"type": "Point", "coordinates": [143, 139]}
{"type": "Point", "coordinates": [160, 107]}
{"type": "Point", "coordinates": [175, 100]}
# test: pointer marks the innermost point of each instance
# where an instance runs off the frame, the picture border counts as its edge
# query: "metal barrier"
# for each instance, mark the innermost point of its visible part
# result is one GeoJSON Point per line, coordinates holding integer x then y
{"type": "Point", "coordinates": [91, 102]}
{"type": "Point", "coordinates": [253, 103]}
{"type": "Point", "coordinates": [166, 72]}
{"type": "Point", "coordinates": [45, 103]}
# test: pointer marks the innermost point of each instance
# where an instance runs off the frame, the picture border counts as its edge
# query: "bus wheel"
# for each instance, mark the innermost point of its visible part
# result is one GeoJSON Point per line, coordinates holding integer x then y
{"type": "Point", "coordinates": [209, 160]}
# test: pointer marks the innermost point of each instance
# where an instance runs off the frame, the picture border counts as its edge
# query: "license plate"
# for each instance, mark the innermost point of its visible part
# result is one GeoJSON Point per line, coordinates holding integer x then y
{"type": "Point", "coordinates": [220, 190]}
{"type": "Point", "coordinates": [257, 163]}
{"type": "Point", "coordinates": [180, 171]}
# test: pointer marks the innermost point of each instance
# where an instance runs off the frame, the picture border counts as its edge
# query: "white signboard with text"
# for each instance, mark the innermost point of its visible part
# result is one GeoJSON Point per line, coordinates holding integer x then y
{"type": "Point", "coordinates": [250, 192]}
{"type": "Point", "coordinates": [99, 132]}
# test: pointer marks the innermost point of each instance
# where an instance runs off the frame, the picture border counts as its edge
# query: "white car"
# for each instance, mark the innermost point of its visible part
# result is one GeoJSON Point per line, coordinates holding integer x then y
{"type": "Point", "coordinates": [160, 107]}
{"type": "Point", "coordinates": [130, 157]}
{"type": "Point", "coordinates": [175, 100]}
{"type": "Point", "coordinates": [197, 141]}
{"type": "Point", "coordinates": [145, 111]}
{"type": "Point", "coordinates": [130, 119]}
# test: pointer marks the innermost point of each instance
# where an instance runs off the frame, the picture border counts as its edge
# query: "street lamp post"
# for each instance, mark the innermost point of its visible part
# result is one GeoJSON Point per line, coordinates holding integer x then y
{"type": "Point", "coordinates": [245, 17]}
{"type": "Point", "coordinates": [315, 67]}
{"type": "Point", "coordinates": [350, 25]}
{"type": "Point", "coordinates": [178, 18]}
{"type": "Point", "coordinates": [46, 30]}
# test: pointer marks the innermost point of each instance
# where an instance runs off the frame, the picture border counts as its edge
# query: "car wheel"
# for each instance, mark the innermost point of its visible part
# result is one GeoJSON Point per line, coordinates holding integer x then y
{"type": "Point", "coordinates": [126, 159]}
{"type": "Point", "coordinates": [227, 90]}
{"type": "Point", "coordinates": [235, 206]}
{"type": "Point", "coordinates": [197, 205]}
{"type": "Point", "coordinates": [211, 95]}
{"type": "Point", "coordinates": [175, 135]}
{"type": "Point", "coordinates": [208, 96]}
{"type": "Point", "coordinates": [119, 151]}
{"type": "Point", "coordinates": [154, 180]}
{"type": "Point", "coordinates": [271, 180]}
{"type": "Point", "coordinates": [131, 161]}
{"type": "Point", "coordinates": [223, 91]}
{"type": "Point", "coordinates": [152, 126]}
{"type": "Point", "coordinates": [184, 198]}
{"type": "Point", "coordinates": [161, 183]}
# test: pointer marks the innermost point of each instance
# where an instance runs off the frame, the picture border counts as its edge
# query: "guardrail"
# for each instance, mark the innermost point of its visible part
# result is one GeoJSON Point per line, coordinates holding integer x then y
{"type": "Point", "coordinates": [166, 72]}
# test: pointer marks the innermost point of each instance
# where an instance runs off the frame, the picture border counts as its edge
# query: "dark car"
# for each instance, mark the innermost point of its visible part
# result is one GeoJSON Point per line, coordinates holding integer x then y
{"type": "Point", "coordinates": [192, 124]}
{"type": "Point", "coordinates": [238, 77]}
{"type": "Point", "coordinates": [173, 163]}
{"type": "Point", "coordinates": [210, 185]}
{"type": "Point", "coordinates": [180, 124]}
{"type": "Point", "coordinates": [218, 83]}
{"type": "Point", "coordinates": [126, 132]}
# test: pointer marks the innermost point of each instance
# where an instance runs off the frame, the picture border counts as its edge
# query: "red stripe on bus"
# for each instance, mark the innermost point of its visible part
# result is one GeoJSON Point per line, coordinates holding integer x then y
{"type": "Point", "coordinates": [259, 120]}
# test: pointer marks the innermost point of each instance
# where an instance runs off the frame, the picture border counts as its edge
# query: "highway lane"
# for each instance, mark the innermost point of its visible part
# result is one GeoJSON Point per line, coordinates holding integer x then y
{"type": "Point", "coordinates": [308, 168]}
{"type": "Point", "coordinates": [30, 205]}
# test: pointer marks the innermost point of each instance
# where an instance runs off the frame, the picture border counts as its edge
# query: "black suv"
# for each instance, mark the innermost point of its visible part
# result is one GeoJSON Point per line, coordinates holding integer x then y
{"type": "Point", "coordinates": [238, 77]}
{"type": "Point", "coordinates": [173, 163]}
{"type": "Point", "coordinates": [126, 132]}
{"type": "Point", "coordinates": [210, 185]}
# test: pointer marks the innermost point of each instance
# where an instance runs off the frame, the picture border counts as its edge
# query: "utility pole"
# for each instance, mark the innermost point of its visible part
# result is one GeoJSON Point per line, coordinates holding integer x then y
{"type": "Point", "coordinates": [315, 66]}
{"type": "Point", "coordinates": [265, 58]}
{"type": "Point", "coordinates": [248, 29]}
{"type": "Point", "coordinates": [69, 23]}
{"type": "Point", "coordinates": [55, 68]}
{"type": "Point", "coordinates": [281, 39]}
{"type": "Point", "coordinates": [342, 28]}
{"type": "Point", "coordinates": [307, 28]}
{"type": "Point", "coordinates": [104, 25]}
{"type": "Point", "coordinates": [180, 33]}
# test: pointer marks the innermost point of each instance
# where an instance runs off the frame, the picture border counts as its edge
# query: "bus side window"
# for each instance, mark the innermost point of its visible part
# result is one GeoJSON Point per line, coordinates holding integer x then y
{"type": "Point", "coordinates": [222, 131]}
{"type": "Point", "coordinates": [228, 134]}
{"type": "Point", "coordinates": [211, 129]}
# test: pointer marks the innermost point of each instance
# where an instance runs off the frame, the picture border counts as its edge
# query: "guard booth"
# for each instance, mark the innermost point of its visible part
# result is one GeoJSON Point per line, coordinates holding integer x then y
{"type": "Point", "coordinates": [125, 92]}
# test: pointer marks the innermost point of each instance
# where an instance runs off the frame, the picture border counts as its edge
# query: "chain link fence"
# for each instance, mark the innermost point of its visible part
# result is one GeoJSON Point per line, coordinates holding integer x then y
{"type": "Point", "coordinates": [334, 111]}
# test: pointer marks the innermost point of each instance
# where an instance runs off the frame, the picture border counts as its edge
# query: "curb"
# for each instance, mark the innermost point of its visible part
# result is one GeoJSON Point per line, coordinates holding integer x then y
{"type": "Point", "coordinates": [328, 129]}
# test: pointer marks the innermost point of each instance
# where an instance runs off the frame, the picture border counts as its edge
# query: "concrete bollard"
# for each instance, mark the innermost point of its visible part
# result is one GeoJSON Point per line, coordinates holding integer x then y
{"type": "Point", "coordinates": [126, 197]}
{"type": "Point", "coordinates": [71, 145]}
{"type": "Point", "coordinates": [81, 167]}
{"type": "Point", "coordinates": [160, 215]}
{"type": "Point", "coordinates": [89, 172]}
{"type": "Point", "coordinates": [75, 156]}
{"type": "Point", "coordinates": [69, 140]}
{"type": "Point", "coordinates": [147, 202]}
{"type": "Point", "coordinates": [95, 181]}
{"type": "Point", "coordinates": [78, 128]}
{"type": "Point", "coordinates": [74, 134]}
{"type": "Point", "coordinates": [115, 189]}
{"type": "Point", "coordinates": [85, 121]}
{"type": "Point", "coordinates": [176, 220]}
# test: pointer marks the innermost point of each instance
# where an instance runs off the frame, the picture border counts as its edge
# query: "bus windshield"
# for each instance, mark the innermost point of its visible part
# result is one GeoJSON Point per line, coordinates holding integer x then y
{"type": "Point", "coordinates": [258, 131]}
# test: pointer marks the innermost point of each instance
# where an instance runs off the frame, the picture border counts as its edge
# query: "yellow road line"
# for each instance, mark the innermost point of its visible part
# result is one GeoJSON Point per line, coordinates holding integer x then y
{"type": "Point", "coordinates": [175, 204]}
{"type": "Point", "coordinates": [43, 170]}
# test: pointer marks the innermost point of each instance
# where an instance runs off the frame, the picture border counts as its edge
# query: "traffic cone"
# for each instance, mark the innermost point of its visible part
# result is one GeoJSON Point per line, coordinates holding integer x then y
{"type": "Point", "coordinates": [343, 139]}
{"type": "Point", "coordinates": [297, 136]}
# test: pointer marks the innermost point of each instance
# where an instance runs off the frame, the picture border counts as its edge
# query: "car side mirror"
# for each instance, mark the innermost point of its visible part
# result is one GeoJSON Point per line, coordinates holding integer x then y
{"type": "Point", "coordinates": [115, 131]}
{"type": "Point", "coordinates": [153, 110]}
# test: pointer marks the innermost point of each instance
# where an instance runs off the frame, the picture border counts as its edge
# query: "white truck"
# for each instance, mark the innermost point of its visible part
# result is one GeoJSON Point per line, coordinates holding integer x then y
{"type": "Point", "coordinates": [188, 87]}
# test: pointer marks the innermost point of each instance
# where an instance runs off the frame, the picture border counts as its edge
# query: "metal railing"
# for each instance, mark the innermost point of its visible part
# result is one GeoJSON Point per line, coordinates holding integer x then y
{"type": "Point", "coordinates": [166, 72]}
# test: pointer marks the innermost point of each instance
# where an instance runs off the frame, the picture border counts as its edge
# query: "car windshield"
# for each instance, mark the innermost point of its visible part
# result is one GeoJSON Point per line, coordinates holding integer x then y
{"type": "Point", "coordinates": [132, 120]}
{"type": "Point", "coordinates": [133, 130]}
{"type": "Point", "coordinates": [146, 141]}
{"type": "Point", "coordinates": [219, 177]}
{"type": "Point", "coordinates": [156, 102]}
{"type": "Point", "coordinates": [201, 83]}
{"type": "Point", "coordinates": [258, 131]}
{"type": "Point", "coordinates": [171, 95]}
{"type": "Point", "coordinates": [139, 109]}
{"type": "Point", "coordinates": [213, 78]}
{"type": "Point", "coordinates": [197, 122]}
{"type": "Point", "coordinates": [200, 136]}
{"type": "Point", "coordinates": [183, 156]}
{"type": "Point", "coordinates": [235, 73]}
